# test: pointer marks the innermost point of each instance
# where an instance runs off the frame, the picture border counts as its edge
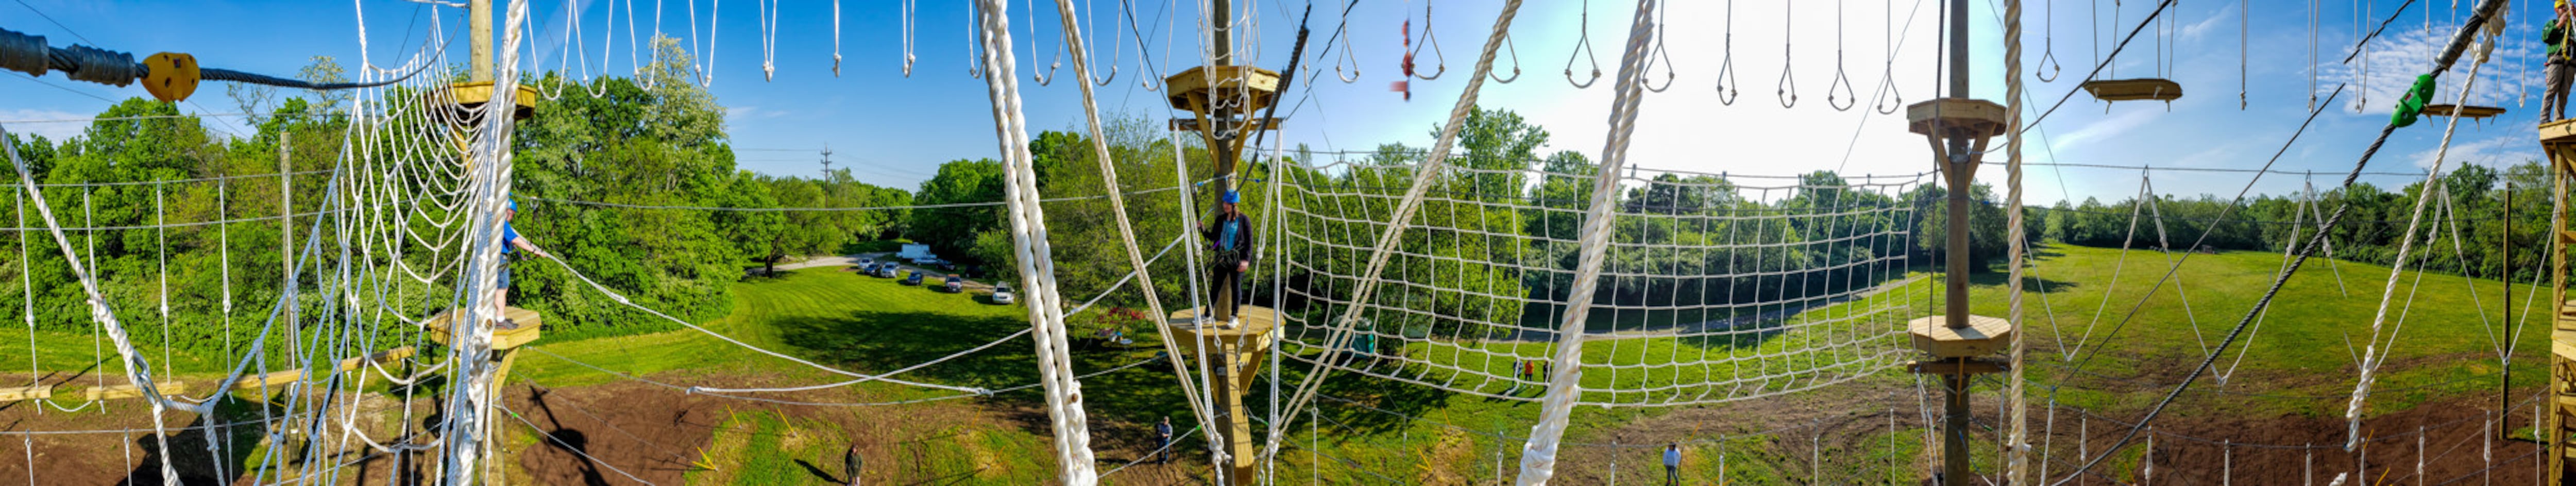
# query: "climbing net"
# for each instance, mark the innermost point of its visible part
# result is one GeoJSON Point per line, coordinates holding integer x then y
{"type": "Point", "coordinates": [1719, 286]}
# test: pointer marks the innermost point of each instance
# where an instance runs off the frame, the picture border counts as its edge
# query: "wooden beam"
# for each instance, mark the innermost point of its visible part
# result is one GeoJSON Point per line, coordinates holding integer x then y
{"type": "Point", "coordinates": [38, 392]}
{"type": "Point", "coordinates": [130, 391]}
{"type": "Point", "coordinates": [1955, 367]}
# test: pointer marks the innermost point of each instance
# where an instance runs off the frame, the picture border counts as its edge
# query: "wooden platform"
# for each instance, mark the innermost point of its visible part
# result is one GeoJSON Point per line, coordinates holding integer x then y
{"type": "Point", "coordinates": [2140, 89]}
{"type": "Point", "coordinates": [1956, 117]}
{"type": "Point", "coordinates": [469, 97]}
{"type": "Point", "coordinates": [2463, 111]}
{"type": "Point", "coordinates": [529, 328]}
{"type": "Point", "coordinates": [1255, 329]}
{"type": "Point", "coordinates": [1984, 336]}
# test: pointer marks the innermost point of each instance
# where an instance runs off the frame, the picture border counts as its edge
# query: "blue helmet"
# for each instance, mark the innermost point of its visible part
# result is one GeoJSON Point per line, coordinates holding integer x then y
{"type": "Point", "coordinates": [1233, 197]}
{"type": "Point", "coordinates": [514, 204]}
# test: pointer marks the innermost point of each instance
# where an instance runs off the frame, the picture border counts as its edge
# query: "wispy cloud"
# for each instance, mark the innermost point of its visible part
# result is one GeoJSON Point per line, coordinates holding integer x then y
{"type": "Point", "coordinates": [2511, 147]}
{"type": "Point", "coordinates": [2196, 30]}
{"type": "Point", "coordinates": [2400, 54]}
{"type": "Point", "coordinates": [2106, 129]}
{"type": "Point", "coordinates": [52, 124]}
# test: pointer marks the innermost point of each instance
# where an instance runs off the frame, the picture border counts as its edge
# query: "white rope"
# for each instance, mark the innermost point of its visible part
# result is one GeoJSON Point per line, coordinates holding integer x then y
{"type": "Point", "coordinates": [1538, 458]}
{"type": "Point", "coordinates": [1191, 392]}
{"type": "Point", "coordinates": [2376, 354]}
{"type": "Point", "coordinates": [2017, 441]}
{"type": "Point", "coordinates": [1032, 253]}
{"type": "Point", "coordinates": [1403, 214]}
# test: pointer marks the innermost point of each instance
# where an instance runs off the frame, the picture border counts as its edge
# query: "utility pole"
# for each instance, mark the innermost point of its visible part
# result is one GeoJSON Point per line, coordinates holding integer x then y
{"type": "Point", "coordinates": [827, 162]}
{"type": "Point", "coordinates": [1959, 344]}
{"type": "Point", "coordinates": [1223, 99]}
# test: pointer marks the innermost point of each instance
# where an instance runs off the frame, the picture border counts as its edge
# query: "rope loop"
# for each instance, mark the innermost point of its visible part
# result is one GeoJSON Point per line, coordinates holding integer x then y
{"type": "Point", "coordinates": [1048, 77]}
{"type": "Point", "coordinates": [1440, 63]}
{"type": "Point", "coordinates": [1842, 80]}
{"type": "Point", "coordinates": [1787, 90]}
{"type": "Point", "coordinates": [1659, 53]}
{"type": "Point", "coordinates": [1516, 62]}
{"type": "Point", "coordinates": [1583, 46]}
{"type": "Point", "coordinates": [1117, 51]}
{"type": "Point", "coordinates": [1726, 69]}
{"type": "Point", "coordinates": [1347, 56]}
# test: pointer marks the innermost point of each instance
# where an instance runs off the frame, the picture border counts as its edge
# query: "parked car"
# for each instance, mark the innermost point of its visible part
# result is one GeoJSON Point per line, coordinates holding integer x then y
{"type": "Point", "coordinates": [956, 283]}
{"type": "Point", "coordinates": [868, 263]}
{"type": "Point", "coordinates": [915, 279]}
{"type": "Point", "coordinates": [886, 270]}
{"type": "Point", "coordinates": [1002, 293]}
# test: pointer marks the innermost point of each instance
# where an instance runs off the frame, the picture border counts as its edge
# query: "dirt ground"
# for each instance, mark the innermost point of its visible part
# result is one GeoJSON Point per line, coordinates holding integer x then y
{"type": "Point", "coordinates": [656, 433]}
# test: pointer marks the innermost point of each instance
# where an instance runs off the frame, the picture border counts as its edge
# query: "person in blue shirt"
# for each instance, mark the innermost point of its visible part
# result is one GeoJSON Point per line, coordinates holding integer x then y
{"type": "Point", "coordinates": [510, 240]}
{"type": "Point", "coordinates": [1229, 237]}
{"type": "Point", "coordinates": [1673, 463]}
{"type": "Point", "coordinates": [1163, 441]}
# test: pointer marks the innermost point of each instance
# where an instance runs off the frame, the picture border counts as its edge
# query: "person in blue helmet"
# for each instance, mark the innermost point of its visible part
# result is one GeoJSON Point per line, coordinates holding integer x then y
{"type": "Point", "coordinates": [511, 240]}
{"type": "Point", "coordinates": [1229, 236]}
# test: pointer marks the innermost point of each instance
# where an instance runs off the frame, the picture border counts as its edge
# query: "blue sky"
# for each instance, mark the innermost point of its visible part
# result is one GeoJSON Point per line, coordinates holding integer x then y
{"type": "Point", "coordinates": [895, 130]}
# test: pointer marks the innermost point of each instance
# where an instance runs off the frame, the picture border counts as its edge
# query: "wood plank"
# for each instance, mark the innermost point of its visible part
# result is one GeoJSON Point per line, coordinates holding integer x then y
{"type": "Point", "coordinates": [2558, 132]}
{"type": "Point", "coordinates": [111, 392]}
{"type": "Point", "coordinates": [38, 392]}
{"type": "Point", "coordinates": [272, 382]}
{"type": "Point", "coordinates": [530, 326]}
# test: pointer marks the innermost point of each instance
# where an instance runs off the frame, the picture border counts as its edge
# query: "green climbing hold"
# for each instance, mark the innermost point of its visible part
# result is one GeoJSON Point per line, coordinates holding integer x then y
{"type": "Point", "coordinates": [2412, 104]}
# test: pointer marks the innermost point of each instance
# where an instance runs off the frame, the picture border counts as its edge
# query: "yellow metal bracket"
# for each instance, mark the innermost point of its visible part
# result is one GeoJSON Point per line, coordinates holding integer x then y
{"type": "Point", "coordinates": [170, 76]}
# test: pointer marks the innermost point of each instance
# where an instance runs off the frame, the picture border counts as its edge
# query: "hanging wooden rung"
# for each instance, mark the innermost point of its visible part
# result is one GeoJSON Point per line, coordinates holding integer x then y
{"type": "Point", "coordinates": [2141, 89]}
{"type": "Point", "coordinates": [2463, 111]}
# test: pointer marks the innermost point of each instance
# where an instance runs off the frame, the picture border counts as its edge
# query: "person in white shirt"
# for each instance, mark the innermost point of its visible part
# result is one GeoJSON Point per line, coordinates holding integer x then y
{"type": "Point", "coordinates": [1672, 463]}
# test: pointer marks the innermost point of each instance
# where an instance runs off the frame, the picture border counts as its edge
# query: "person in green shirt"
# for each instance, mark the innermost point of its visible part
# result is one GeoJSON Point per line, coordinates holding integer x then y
{"type": "Point", "coordinates": [2553, 101]}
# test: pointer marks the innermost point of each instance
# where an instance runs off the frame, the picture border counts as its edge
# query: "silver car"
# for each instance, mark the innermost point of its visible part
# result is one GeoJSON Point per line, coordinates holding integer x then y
{"type": "Point", "coordinates": [1002, 293]}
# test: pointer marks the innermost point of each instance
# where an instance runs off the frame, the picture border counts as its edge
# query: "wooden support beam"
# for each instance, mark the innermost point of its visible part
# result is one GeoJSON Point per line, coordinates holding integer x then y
{"type": "Point", "coordinates": [111, 392]}
{"type": "Point", "coordinates": [38, 392]}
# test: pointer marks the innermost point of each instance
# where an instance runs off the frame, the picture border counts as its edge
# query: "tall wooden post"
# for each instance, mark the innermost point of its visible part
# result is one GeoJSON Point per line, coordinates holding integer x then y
{"type": "Point", "coordinates": [2558, 140]}
{"type": "Point", "coordinates": [1959, 344]}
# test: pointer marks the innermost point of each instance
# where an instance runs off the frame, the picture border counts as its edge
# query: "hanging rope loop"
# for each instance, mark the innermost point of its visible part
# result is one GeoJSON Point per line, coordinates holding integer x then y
{"type": "Point", "coordinates": [1660, 54]}
{"type": "Point", "coordinates": [1726, 69]}
{"type": "Point", "coordinates": [1516, 62]}
{"type": "Point", "coordinates": [1841, 81]}
{"type": "Point", "coordinates": [1440, 63]}
{"type": "Point", "coordinates": [1583, 47]}
{"type": "Point", "coordinates": [1787, 91]}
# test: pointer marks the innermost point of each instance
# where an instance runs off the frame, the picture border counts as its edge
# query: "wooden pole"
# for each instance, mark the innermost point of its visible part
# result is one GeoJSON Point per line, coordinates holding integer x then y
{"type": "Point", "coordinates": [479, 23]}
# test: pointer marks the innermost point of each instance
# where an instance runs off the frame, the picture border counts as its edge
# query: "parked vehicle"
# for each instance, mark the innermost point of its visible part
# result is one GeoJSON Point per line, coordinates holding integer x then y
{"type": "Point", "coordinates": [956, 284]}
{"type": "Point", "coordinates": [886, 270]}
{"type": "Point", "coordinates": [914, 251]}
{"type": "Point", "coordinates": [1002, 293]}
{"type": "Point", "coordinates": [915, 279]}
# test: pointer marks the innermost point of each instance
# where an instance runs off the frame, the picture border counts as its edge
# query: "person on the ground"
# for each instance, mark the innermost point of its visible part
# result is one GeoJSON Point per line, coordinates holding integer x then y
{"type": "Point", "coordinates": [510, 240]}
{"type": "Point", "coordinates": [1163, 441]}
{"type": "Point", "coordinates": [1672, 463]}
{"type": "Point", "coordinates": [2553, 100]}
{"type": "Point", "coordinates": [850, 463]}
{"type": "Point", "coordinates": [1229, 236]}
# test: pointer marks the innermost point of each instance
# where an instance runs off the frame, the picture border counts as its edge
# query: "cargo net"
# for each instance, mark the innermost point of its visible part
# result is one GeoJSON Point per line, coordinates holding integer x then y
{"type": "Point", "coordinates": [1716, 287]}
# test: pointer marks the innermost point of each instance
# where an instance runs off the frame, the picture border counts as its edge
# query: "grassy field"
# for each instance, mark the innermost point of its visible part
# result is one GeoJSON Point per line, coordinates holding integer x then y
{"type": "Point", "coordinates": [1369, 430]}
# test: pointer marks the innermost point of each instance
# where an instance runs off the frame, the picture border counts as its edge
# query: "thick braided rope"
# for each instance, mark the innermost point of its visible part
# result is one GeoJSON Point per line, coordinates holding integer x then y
{"type": "Point", "coordinates": [1118, 206]}
{"type": "Point", "coordinates": [1538, 456]}
{"type": "Point", "coordinates": [1036, 266]}
{"type": "Point", "coordinates": [137, 371]}
{"type": "Point", "coordinates": [1397, 221]}
{"type": "Point", "coordinates": [2372, 356]}
{"type": "Point", "coordinates": [2017, 465]}
{"type": "Point", "coordinates": [487, 183]}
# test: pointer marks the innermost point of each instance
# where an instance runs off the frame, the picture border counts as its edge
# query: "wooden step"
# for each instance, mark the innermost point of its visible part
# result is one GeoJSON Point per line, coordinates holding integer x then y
{"type": "Point", "coordinates": [2563, 343]}
{"type": "Point", "coordinates": [39, 392]}
{"type": "Point", "coordinates": [528, 321]}
{"type": "Point", "coordinates": [111, 392]}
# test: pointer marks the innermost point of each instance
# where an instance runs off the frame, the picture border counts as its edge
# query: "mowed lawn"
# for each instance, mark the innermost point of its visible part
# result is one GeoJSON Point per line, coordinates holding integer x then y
{"type": "Point", "coordinates": [2447, 330]}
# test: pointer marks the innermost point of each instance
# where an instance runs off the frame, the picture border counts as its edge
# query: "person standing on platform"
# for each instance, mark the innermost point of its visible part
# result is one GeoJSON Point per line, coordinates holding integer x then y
{"type": "Point", "coordinates": [2553, 100]}
{"type": "Point", "coordinates": [1229, 237]}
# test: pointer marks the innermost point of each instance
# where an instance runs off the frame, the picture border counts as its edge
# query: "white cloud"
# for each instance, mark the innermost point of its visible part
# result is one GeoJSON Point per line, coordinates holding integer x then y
{"type": "Point", "coordinates": [2195, 31]}
{"type": "Point", "coordinates": [2108, 128]}
{"type": "Point", "coordinates": [2512, 147]}
{"type": "Point", "coordinates": [2400, 54]}
{"type": "Point", "coordinates": [52, 124]}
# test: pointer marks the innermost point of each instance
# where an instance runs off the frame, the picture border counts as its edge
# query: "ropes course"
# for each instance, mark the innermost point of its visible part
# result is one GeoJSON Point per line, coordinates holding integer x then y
{"type": "Point", "coordinates": [1613, 307]}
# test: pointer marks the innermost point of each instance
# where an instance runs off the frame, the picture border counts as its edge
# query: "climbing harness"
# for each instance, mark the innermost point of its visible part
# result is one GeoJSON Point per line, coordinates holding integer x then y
{"type": "Point", "coordinates": [1788, 89]}
{"type": "Point", "coordinates": [1440, 63]}
{"type": "Point", "coordinates": [1841, 80]}
{"type": "Point", "coordinates": [1583, 46]}
{"type": "Point", "coordinates": [1726, 69]}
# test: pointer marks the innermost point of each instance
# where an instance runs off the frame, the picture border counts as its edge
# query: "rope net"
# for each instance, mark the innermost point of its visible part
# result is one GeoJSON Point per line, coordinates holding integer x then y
{"type": "Point", "coordinates": [1719, 287]}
